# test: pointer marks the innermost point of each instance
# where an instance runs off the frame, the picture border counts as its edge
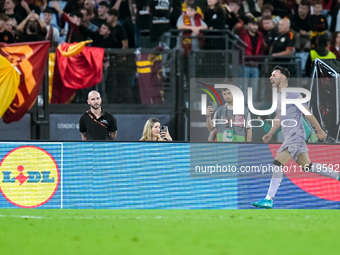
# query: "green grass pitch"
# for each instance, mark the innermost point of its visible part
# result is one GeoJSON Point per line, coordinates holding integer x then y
{"type": "Point", "coordinates": [121, 232]}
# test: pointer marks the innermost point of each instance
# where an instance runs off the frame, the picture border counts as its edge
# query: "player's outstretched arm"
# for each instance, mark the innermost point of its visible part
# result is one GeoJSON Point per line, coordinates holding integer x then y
{"type": "Point", "coordinates": [319, 132]}
{"type": "Point", "coordinates": [276, 124]}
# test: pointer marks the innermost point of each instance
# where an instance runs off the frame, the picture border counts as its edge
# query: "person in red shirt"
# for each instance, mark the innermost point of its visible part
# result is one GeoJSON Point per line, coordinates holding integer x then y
{"type": "Point", "coordinates": [256, 46]}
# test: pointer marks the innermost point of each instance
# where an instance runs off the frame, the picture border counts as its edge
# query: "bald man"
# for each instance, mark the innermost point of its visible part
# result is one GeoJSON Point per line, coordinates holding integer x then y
{"type": "Point", "coordinates": [96, 123]}
{"type": "Point", "coordinates": [284, 43]}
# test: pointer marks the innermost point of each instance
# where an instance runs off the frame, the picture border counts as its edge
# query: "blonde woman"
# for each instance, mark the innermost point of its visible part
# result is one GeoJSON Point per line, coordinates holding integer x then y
{"type": "Point", "coordinates": [152, 131]}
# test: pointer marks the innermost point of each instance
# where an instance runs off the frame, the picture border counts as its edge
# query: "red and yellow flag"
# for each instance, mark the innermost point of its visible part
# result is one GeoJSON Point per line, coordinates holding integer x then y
{"type": "Point", "coordinates": [76, 67]}
{"type": "Point", "coordinates": [9, 83]}
{"type": "Point", "coordinates": [29, 59]}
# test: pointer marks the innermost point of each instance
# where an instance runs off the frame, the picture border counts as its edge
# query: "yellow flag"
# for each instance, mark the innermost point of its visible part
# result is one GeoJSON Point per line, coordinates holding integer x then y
{"type": "Point", "coordinates": [9, 83]}
{"type": "Point", "coordinates": [73, 49]}
{"type": "Point", "coordinates": [51, 62]}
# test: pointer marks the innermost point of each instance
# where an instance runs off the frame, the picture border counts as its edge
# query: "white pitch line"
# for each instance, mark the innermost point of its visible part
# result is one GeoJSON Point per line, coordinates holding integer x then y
{"type": "Point", "coordinates": [23, 216]}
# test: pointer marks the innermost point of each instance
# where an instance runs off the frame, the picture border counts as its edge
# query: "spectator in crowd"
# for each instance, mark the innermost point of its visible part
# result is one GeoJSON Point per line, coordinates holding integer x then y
{"type": "Point", "coordinates": [9, 8]}
{"type": "Point", "coordinates": [267, 10]}
{"type": "Point", "coordinates": [214, 16]}
{"type": "Point", "coordinates": [102, 38]}
{"type": "Point", "coordinates": [300, 25]}
{"type": "Point", "coordinates": [91, 6]}
{"type": "Point", "coordinates": [160, 18]}
{"type": "Point", "coordinates": [233, 20]}
{"type": "Point", "coordinates": [52, 34]}
{"type": "Point", "coordinates": [96, 123]}
{"type": "Point", "coordinates": [103, 8]}
{"type": "Point", "coordinates": [320, 52]}
{"type": "Point", "coordinates": [152, 131]}
{"type": "Point", "coordinates": [270, 32]}
{"type": "Point", "coordinates": [71, 6]}
{"type": "Point", "coordinates": [11, 26]}
{"type": "Point", "coordinates": [191, 22]}
{"type": "Point", "coordinates": [256, 46]}
{"type": "Point", "coordinates": [142, 12]}
{"type": "Point", "coordinates": [127, 18]}
{"type": "Point", "coordinates": [32, 29]}
{"type": "Point", "coordinates": [74, 20]}
{"type": "Point", "coordinates": [117, 30]}
{"type": "Point", "coordinates": [86, 20]}
{"type": "Point", "coordinates": [198, 9]}
{"type": "Point", "coordinates": [318, 22]}
{"type": "Point", "coordinates": [124, 8]}
{"type": "Point", "coordinates": [335, 15]}
{"type": "Point", "coordinates": [73, 33]}
{"type": "Point", "coordinates": [283, 44]}
{"type": "Point", "coordinates": [335, 44]}
{"type": "Point", "coordinates": [5, 36]}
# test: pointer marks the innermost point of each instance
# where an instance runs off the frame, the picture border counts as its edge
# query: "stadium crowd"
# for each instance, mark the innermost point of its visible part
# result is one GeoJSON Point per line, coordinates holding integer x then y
{"type": "Point", "coordinates": [268, 27]}
{"type": "Point", "coordinates": [30, 20]}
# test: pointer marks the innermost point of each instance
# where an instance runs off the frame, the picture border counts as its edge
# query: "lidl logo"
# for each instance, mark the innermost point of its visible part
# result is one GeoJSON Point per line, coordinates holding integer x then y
{"type": "Point", "coordinates": [29, 176]}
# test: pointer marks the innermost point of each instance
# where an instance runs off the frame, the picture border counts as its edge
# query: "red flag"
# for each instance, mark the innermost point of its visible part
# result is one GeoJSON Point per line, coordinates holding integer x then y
{"type": "Point", "coordinates": [150, 78]}
{"type": "Point", "coordinates": [30, 59]}
{"type": "Point", "coordinates": [76, 67]}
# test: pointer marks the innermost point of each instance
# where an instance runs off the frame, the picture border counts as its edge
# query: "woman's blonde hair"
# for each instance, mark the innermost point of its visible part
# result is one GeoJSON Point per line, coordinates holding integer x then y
{"type": "Point", "coordinates": [147, 131]}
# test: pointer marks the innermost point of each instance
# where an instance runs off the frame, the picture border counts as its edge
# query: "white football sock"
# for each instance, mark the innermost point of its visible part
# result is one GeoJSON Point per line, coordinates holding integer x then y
{"type": "Point", "coordinates": [274, 182]}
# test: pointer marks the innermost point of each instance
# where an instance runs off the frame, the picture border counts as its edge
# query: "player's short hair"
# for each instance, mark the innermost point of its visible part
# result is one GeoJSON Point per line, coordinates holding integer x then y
{"type": "Point", "coordinates": [283, 70]}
